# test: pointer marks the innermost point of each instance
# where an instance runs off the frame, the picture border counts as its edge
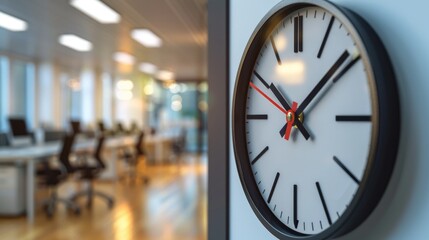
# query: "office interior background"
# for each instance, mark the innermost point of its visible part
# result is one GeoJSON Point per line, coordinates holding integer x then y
{"type": "Point", "coordinates": [192, 190]}
{"type": "Point", "coordinates": [113, 69]}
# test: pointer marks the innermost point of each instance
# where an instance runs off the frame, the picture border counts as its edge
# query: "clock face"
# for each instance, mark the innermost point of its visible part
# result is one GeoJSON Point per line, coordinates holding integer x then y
{"type": "Point", "coordinates": [315, 120]}
{"type": "Point", "coordinates": [308, 175]}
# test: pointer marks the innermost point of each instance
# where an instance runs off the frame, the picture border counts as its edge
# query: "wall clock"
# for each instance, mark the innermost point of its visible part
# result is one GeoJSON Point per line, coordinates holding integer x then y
{"type": "Point", "coordinates": [315, 120]}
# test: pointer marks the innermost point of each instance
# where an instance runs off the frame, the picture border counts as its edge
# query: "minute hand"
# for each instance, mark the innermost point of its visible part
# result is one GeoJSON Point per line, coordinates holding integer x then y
{"type": "Point", "coordinates": [322, 82]}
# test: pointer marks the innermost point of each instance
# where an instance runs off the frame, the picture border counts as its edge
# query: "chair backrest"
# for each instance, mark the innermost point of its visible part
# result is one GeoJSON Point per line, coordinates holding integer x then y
{"type": "Point", "coordinates": [75, 125]}
{"type": "Point", "coordinates": [98, 151]}
{"type": "Point", "coordinates": [101, 126]}
{"type": "Point", "coordinates": [152, 131]}
{"type": "Point", "coordinates": [18, 127]}
{"type": "Point", "coordinates": [139, 144]}
{"type": "Point", "coordinates": [65, 152]}
{"type": "Point", "coordinates": [120, 128]}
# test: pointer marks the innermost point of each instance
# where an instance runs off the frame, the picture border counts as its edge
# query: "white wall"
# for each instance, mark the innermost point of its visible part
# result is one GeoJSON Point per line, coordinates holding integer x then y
{"type": "Point", "coordinates": [403, 212]}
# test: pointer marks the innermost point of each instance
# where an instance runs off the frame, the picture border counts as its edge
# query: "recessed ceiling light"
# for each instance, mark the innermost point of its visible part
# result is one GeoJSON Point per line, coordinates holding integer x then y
{"type": "Point", "coordinates": [148, 68]}
{"type": "Point", "coordinates": [12, 23]}
{"type": "Point", "coordinates": [75, 42]}
{"type": "Point", "coordinates": [97, 10]}
{"type": "Point", "coordinates": [124, 58]}
{"type": "Point", "coordinates": [165, 75]}
{"type": "Point", "coordinates": [124, 84]}
{"type": "Point", "coordinates": [146, 37]}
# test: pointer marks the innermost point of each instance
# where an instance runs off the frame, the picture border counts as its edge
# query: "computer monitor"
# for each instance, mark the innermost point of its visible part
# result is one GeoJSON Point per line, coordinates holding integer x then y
{"type": "Point", "coordinates": [18, 127]}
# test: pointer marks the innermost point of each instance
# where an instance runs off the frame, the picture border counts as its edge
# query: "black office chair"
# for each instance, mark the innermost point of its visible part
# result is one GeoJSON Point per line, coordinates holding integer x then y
{"type": "Point", "coordinates": [90, 173]}
{"type": "Point", "coordinates": [103, 130]}
{"type": "Point", "coordinates": [53, 177]}
{"type": "Point", "coordinates": [179, 144]}
{"type": "Point", "coordinates": [132, 158]}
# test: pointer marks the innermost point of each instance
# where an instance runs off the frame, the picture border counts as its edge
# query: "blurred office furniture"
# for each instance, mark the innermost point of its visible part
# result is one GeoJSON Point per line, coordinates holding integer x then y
{"type": "Point", "coordinates": [52, 177]}
{"type": "Point", "coordinates": [120, 128]}
{"type": "Point", "coordinates": [134, 128]}
{"type": "Point", "coordinates": [78, 130]}
{"type": "Point", "coordinates": [18, 127]}
{"type": "Point", "coordinates": [51, 135]}
{"type": "Point", "coordinates": [103, 130]}
{"type": "Point", "coordinates": [132, 157]}
{"type": "Point", "coordinates": [4, 140]}
{"type": "Point", "coordinates": [20, 136]}
{"type": "Point", "coordinates": [152, 131]}
{"type": "Point", "coordinates": [12, 189]}
{"type": "Point", "coordinates": [75, 126]}
{"type": "Point", "coordinates": [29, 156]}
{"type": "Point", "coordinates": [179, 144]}
{"type": "Point", "coordinates": [101, 126]}
{"type": "Point", "coordinates": [89, 173]}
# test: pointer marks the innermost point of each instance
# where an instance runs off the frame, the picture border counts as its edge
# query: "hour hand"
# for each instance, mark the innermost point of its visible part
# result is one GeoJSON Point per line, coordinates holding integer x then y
{"type": "Point", "coordinates": [284, 103]}
{"type": "Point", "coordinates": [279, 97]}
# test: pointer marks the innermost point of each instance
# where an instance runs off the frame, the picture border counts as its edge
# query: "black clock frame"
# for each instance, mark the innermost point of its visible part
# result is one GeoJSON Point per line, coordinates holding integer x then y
{"type": "Point", "coordinates": [385, 120]}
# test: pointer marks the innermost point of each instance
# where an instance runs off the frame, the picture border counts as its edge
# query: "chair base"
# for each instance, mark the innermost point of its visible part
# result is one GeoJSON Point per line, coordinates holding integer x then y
{"type": "Point", "coordinates": [90, 193]}
{"type": "Point", "coordinates": [134, 178]}
{"type": "Point", "coordinates": [50, 204]}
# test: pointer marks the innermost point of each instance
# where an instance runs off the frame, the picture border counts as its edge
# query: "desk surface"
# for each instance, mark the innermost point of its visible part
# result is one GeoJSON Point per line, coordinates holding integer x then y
{"type": "Point", "coordinates": [8, 154]}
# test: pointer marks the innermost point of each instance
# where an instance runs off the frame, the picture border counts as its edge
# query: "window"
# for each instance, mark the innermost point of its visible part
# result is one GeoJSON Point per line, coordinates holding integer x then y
{"type": "Point", "coordinates": [71, 98]}
{"type": "Point", "coordinates": [4, 75]}
{"type": "Point", "coordinates": [22, 91]}
{"type": "Point", "coordinates": [107, 83]}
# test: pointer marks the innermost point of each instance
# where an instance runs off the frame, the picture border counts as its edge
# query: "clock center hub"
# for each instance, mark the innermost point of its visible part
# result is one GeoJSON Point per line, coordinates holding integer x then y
{"type": "Point", "coordinates": [290, 116]}
{"type": "Point", "coordinates": [300, 118]}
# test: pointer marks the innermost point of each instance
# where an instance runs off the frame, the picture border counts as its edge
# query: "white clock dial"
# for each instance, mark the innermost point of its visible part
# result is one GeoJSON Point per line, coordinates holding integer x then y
{"type": "Point", "coordinates": [309, 174]}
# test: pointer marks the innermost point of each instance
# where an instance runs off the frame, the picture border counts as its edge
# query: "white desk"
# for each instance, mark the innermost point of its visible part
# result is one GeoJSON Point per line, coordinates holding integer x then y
{"type": "Point", "coordinates": [32, 154]}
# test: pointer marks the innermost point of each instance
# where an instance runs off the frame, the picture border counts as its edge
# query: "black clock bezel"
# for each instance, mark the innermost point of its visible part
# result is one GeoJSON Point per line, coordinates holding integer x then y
{"type": "Point", "coordinates": [386, 123]}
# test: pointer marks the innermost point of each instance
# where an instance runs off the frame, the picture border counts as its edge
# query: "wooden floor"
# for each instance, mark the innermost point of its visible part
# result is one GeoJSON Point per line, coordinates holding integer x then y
{"type": "Point", "coordinates": [172, 206]}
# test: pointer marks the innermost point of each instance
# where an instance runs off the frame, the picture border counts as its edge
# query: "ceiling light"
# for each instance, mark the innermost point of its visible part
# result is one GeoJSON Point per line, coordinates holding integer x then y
{"type": "Point", "coordinates": [146, 37]}
{"type": "Point", "coordinates": [124, 85]}
{"type": "Point", "coordinates": [12, 23]}
{"type": "Point", "coordinates": [124, 95]}
{"type": "Point", "coordinates": [124, 58]}
{"type": "Point", "coordinates": [97, 10]}
{"type": "Point", "coordinates": [148, 68]}
{"type": "Point", "coordinates": [165, 75]}
{"type": "Point", "coordinates": [75, 42]}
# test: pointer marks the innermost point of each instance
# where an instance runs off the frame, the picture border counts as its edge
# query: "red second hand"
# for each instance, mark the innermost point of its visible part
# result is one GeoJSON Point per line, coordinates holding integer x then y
{"type": "Point", "coordinates": [291, 120]}
{"type": "Point", "coordinates": [268, 98]}
{"type": "Point", "coordinates": [291, 111]}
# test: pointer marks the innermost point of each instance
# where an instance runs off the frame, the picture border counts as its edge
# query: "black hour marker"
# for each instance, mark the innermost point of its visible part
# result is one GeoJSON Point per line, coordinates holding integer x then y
{"type": "Point", "coordinates": [345, 69]}
{"type": "Point", "coordinates": [260, 155]}
{"type": "Point", "coordinates": [298, 33]}
{"type": "Point", "coordinates": [295, 206]}
{"type": "Point", "coordinates": [273, 187]}
{"type": "Point", "coordinates": [257, 116]}
{"type": "Point", "coordinates": [261, 79]}
{"type": "Point", "coordinates": [346, 170]}
{"type": "Point", "coordinates": [353, 118]}
{"type": "Point", "coordinates": [275, 51]}
{"type": "Point", "coordinates": [325, 38]}
{"type": "Point", "coordinates": [323, 203]}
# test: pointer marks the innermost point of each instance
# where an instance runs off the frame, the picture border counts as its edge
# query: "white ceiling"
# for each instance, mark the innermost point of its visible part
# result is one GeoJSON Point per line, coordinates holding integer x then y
{"type": "Point", "coordinates": [181, 24]}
